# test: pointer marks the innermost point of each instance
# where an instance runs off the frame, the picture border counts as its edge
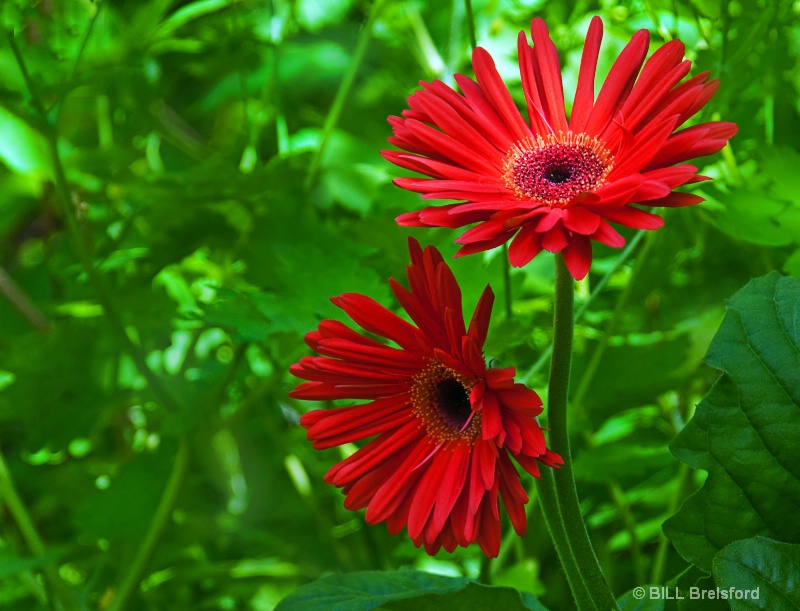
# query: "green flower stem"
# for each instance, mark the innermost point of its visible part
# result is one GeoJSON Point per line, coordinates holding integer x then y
{"type": "Point", "coordinates": [166, 505]}
{"type": "Point", "coordinates": [61, 597]}
{"type": "Point", "coordinates": [564, 480]}
{"type": "Point", "coordinates": [546, 489]}
{"type": "Point", "coordinates": [615, 490]}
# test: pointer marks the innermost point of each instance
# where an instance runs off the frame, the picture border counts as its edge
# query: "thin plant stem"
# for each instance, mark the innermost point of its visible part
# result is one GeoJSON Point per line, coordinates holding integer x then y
{"type": "Point", "coordinates": [545, 356]}
{"type": "Point", "coordinates": [622, 300]}
{"type": "Point", "coordinates": [628, 520]}
{"type": "Point", "coordinates": [473, 41]}
{"type": "Point", "coordinates": [660, 562]}
{"type": "Point", "coordinates": [564, 479]}
{"type": "Point", "coordinates": [616, 491]}
{"type": "Point", "coordinates": [97, 8]}
{"type": "Point", "coordinates": [345, 86]}
{"type": "Point", "coordinates": [683, 479]}
{"type": "Point", "coordinates": [428, 54]}
{"type": "Point", "coordinates": [22, 302]}
{"type": "Point", "coordinates": [169, 496]}
{"type": "Point", "coordinates": [9, 495]}
{"type": "Point", "coordinates": [81, 247]}
{"type": "Point", "coordinates": [161, 517]}
{"type": "Point", "coordinates": [507, 280]}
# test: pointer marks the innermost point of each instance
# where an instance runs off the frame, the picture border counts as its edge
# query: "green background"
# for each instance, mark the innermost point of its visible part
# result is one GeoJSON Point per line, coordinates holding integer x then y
{"type": "Point", "coordinates": [218, 178]}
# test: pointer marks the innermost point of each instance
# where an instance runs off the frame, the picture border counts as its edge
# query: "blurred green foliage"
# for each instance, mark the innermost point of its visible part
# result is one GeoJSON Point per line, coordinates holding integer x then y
{"type": "Point", "coordinates": [183, 185]}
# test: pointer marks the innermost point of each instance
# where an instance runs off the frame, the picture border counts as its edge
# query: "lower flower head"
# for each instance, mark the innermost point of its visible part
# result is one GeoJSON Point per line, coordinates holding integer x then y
{"type": "Point", "coordinates": [548, 182]}
{"type": "Point", "coordinates": [444, 427]}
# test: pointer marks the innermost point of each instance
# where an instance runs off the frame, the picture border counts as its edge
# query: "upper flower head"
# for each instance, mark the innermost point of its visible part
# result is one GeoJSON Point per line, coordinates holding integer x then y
{"type": "Point", "coordinates": [550, 182]}
{"type": "Point", "coordinates": [444, 423]}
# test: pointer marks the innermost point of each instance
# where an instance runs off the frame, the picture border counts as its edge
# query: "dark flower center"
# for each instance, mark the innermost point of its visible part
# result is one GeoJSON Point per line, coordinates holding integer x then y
{"type": "Point", "coordinates": [555, 169]}
{"type": "Point", "coordinates": [452, 402]}
{"type": "Point", "coordinates": [440, 398]}
{"type": "Point", "coordinates": [557, 173]}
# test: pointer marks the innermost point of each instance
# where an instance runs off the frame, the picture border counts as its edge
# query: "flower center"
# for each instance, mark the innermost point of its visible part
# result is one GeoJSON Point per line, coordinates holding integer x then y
{"type": "Point", "coordinates": [440, 399]}
{"type": "Point", "coordinates": [554, 169]}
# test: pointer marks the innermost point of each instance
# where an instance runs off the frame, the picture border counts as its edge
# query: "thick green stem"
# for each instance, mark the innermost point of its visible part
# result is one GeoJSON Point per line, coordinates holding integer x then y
{"type": "Point", "coordinates": [565, 490]}
{"type": "Point", "coordinates": [546, 489]}
{"type": "Point", "coordinates": [161, 517]}
{"type": "Point", "coordinates": [8, 495]}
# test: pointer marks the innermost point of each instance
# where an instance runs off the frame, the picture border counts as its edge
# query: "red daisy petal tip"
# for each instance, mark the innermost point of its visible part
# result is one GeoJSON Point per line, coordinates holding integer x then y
{"type": "Point", "coordinates": [474, 146]}
{"type": "Point", "coordinates": [443, 427]}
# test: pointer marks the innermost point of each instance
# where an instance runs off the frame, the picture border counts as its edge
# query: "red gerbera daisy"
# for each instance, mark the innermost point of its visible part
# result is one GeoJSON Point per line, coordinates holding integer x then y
{"type": "Point", "coordinates": [445, 424]}
{"type": "Point", "coordinates": [551, 183]}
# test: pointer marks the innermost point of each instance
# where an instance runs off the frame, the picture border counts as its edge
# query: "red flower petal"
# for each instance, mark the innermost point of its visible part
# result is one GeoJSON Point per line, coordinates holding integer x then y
{"type": "Point", "coordinates": [578, 256]}
{"type": "Point", "coordinates": [606, 234]}
{"type": "Point", "coordinates": [677, 200]}
{"type": "Point", "coordinates": [555, 240]}
{"type": "Point", "coordinates": [497, 94]}
{"type": "Point", "coordinates": [373, 317]}
{"type": "Point", "coordinates": [618, 83]}
{"type": "Point", "coordinates": [525, 246]}
{"type": "Point", "coordinates": [635, 218]}
{"type": "Point", "coordinates": [581, 220]}
{"type": "Point", "coordinates": [479, 323]}
{"type": "Point", "coordinates": [584, 94]}
{"type": "Point", "coordinates": [513, 495]}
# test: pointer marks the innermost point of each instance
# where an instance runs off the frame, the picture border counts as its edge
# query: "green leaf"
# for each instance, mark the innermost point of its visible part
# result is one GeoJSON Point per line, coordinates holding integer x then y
{"type": "Point", "coordinates": [403, 590]}
{"type": "Point", "coordinates": [771, 568]}
{"type": "Point", "coordinates": [745, 431]}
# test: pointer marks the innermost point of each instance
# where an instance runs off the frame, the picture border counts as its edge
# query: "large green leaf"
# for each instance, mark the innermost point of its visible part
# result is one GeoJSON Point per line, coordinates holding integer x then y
{"type": "Point", "coordinates": [745, 431]}
{"type": "Point", "coordinates": [403, 590]}
{"type": "Point", "coordinates": [768, 570]}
